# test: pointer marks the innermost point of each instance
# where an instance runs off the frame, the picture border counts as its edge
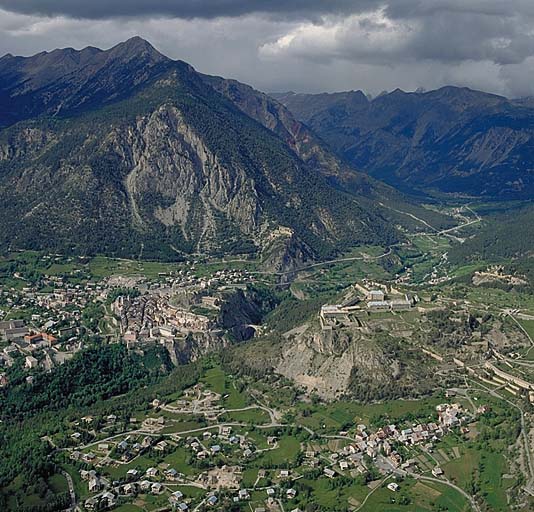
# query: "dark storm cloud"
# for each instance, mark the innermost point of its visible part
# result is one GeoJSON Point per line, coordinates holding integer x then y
{"type": "Point", "coordinates": [100, 9]}
{"type": "Point", "coordinates": [307, 45]}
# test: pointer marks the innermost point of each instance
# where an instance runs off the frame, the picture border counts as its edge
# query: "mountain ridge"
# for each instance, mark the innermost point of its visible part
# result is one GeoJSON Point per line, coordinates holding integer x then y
{"type": "Point", "coordinates": [128, 152]}
{"type": "Point", "coordinates": [450, 141]}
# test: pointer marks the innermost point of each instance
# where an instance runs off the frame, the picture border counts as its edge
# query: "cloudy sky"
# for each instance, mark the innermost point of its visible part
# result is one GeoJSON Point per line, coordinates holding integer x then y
{"type": "Point", "coordinates": [302, 45]}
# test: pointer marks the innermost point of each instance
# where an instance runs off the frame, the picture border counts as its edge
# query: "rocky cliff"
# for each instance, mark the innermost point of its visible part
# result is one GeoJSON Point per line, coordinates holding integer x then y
{"type": "Point", "coordinates": [324, 362]}
{"type": "Point", "coordinates": [161, 166]}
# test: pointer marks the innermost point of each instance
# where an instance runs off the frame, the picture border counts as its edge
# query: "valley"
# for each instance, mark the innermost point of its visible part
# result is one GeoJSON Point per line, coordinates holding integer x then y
{"type": "Point", "coordinates": [412, 386]}
{"type": "Point", "coordinates": [213, 298]}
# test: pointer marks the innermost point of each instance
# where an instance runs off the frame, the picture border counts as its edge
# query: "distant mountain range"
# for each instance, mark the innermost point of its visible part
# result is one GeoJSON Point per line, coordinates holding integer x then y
{"type": "Point", "coordinates": [451, 141]}
{"type": "Point", "coordinates": [128, 153]}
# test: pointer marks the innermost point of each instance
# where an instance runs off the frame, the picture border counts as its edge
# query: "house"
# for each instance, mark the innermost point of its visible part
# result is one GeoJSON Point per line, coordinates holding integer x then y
{"type": "Point", "coordinates": [211, 501]}
{"type": "Point", "coordinates": [243, 494]}
{"type": "Point", "coordinates": [75, 455]}
{"type": "Point", "coordinates": [132, 473]}
{"type": "Point", "coordinates": [330, 473]}
{"type": "Point", "coordinates": [215, 448]}
{"type": "Point", "coordinates": [161, 446]}
{"type": "Point", "coordinates": [175, 498]}
{"type": "Point", "coordinates": [291, 493]}
{"type": "Point", "coordinates": [437, 471]}
{"type": "Point", "coordinates": [393, 486]}
{"type": "Point", "coordinates": [91, 503]}
{"type": "Point", "coordinates": [171, 473]}
{"type": "Point", "coordinates": [284, 473]}
{"type": "Point", "coordinates": [271, 492]}
{"type": "Point", "coordinates": [157, 488]}
{"type": "Point", "coordinates": [94, 484]}
{"type": "Point", "coordinates": [88, 457]}
{"type": "Point", "coordinates": [108, 499]}
{"type": "Point", "coordinates": [144, 485]}
{"type": "Point", "coordinates": [129, 489]}
{"type": "Point", "coordinates": [151, 472]}
{"type": "Point", "coordinates": [177, 495]}
{"type": "Point", "coordinates": [31, 362]}
{"type": "Point", "coordinates": [225, 431]}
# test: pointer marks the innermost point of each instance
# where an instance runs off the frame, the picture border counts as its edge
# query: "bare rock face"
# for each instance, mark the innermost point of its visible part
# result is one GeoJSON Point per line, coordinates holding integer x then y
{"type": "Point", "coordinates": [323, 362]}
{"type": "Point", "coordinates": [195, 346]}
{"type": "Point", "coordinates": [169, 161]}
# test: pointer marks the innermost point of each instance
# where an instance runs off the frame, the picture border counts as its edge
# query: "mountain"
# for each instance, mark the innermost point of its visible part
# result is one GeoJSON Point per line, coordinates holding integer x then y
{"type": "Point", "coordinates": [449, 141]}
{"type": "Point", "coordinates": [69, 81]}
{"type": "Point", "coordinates": [504, 238]}
{"type": "Point", "coordinates": [128, 153]}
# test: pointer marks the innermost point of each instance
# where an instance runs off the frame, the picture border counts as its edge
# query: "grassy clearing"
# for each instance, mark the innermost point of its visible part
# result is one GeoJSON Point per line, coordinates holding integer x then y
{"type": "Point", "coordinates": [253, 416]}
{"type": "Point", "coordinates": [528, 325]}
{"type": "Point", "coordinates": [58, 483]}
{"type": "Point", "coordinates": [286, 452]}
{"type": "Point", "coordinates": [127, 507]}
{"type": "Point", "coordinates": [345, 414]}
{"type": "Point", "coordinates": [215, 380]}
{"type": "Point", "coordinates": [178, 460]}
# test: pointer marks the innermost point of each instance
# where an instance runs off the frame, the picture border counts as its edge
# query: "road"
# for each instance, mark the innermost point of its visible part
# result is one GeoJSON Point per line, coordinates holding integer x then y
{"type": "Point", "coordinates": [70, 483]}
{"type": "Point", "coordinates": [328, 262]}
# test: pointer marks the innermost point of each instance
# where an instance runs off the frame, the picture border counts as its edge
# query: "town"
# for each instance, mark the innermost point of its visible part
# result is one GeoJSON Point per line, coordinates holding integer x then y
{"type": "Point", "coordinates": [275, 438]}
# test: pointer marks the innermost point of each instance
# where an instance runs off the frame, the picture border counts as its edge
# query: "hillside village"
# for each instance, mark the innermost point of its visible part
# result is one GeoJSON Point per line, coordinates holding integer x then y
{"type": "Point", "coordinates": [60, 318]}
{"type": "Point", "coordinates": [117, 468]}
{"type": "Point", "coordinates": [213, 447]}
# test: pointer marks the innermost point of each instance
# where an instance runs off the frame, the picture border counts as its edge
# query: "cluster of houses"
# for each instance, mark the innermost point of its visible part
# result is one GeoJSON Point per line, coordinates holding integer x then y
{"type": "Point", "coordinates": [149, 317]}
{"type": "Point", "coordinates": [380, 445]}
{"type": "Point", "coordinates": [386, 439]}
{"type": "Point", "coordinates": [210, 444]}
{"type": "Point", "coordinates": [50, 334]}
{"type": "Point", "coordinates": [39, 347]}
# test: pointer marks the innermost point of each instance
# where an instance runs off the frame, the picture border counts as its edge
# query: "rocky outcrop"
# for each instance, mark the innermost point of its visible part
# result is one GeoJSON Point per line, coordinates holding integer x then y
{"type": "Point", "coordinates": [167, 160]}
{"type": "Point", "coordinates": [194, 346]}
{"type": "Point", "coordinates": [323, 362]}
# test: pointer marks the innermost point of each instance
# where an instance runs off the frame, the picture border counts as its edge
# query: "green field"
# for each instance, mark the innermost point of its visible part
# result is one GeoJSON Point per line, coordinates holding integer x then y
{"type": "Point", "coordinates": [252, 416]}
{"type": "Point", "coordinates": [285, 454]}
{"type": "Point", "coordinates": [178, 460]}
{"type": "Point", "coordinates": [58, 483]}
{"type": "Point", "coordinates": [528, 325]}
{"type": "Point", "coordinates": [345, 414]}
{"type": "Point", "coordinates": [127, 507]}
